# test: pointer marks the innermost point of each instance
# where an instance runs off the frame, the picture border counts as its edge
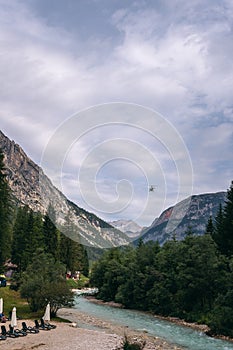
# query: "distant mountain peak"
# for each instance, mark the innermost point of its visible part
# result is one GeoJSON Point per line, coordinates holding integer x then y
{"type": "Point", "coordinates": [131, 228]}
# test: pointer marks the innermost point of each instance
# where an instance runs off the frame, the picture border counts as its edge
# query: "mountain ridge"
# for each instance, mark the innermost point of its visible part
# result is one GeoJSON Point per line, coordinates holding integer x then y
{"type": "Point", "coordinates": [192, 212]}
{"type": "Point", "coordinates": [131, 228]}
{"type": "Point", "coordinates": [30, 186]}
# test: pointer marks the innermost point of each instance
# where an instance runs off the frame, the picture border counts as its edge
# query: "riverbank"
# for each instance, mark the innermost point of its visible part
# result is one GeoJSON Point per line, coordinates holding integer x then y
{"type": "Point", "coordinates": [69, 336]}
{"type": "Point", "coordinates": [103, 328]}
{"type": "Point", "coordinates": [196, 326]}
{"type": "Point", "coordinates": [64, 337]}
{"type": "Point", "coordinates": [199, 327]}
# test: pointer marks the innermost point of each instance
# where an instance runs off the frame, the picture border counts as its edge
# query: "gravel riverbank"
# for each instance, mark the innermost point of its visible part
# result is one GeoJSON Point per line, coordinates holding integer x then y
{"type": "Point", "coordinates": [63, 337]}
{"type": "Point", "coordinates": [102, 336]}
{"type": "Point", "coordinates": [104, 328]}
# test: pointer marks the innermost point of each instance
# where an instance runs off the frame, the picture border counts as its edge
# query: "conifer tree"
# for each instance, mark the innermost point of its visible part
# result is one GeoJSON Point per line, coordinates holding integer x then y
{"type": "Point", "coordinates": [19, 237]}
{"type": "Point", "coordinates": [51, 233]}
{"type": "Point", "coordinates": [219, 222]}
{"type": "Point", "coordinates": [228, 223]}
{"type": "Point", "coordinates": [223, 232]}
{"type": "Point", "coordinates": [218, 228]}
{"type": "Point", "coordinates": [72, 253]}
{"type": "Point", "coordinates": [27, 236]}
{"type": "Point", "coordinates": [210, 227]}
{"type": "Point", "coordinates": [5, 214]}
{"type": "Point", "coordinates": [33, 235]}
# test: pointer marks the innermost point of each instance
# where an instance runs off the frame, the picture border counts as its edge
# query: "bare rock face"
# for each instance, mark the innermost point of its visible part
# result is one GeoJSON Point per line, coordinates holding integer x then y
{"type": "Point", "coordinates": [30, 186]}
{"type": "Point", "coordinates": [22, 175]}
{"type": "Point", "coordinates": [193, 212]}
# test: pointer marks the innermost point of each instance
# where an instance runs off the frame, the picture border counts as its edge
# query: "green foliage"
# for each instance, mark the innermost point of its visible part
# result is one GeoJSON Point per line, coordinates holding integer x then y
{"type": "Point", "coordinates": [83, 281]}
{"type": "Point", "coordinates": [227, 236]}
{"type": "Point", "coordinates": [72, 253]}
{"type": "Point", "coordinates": [12, 298]}
{"type": "Point", "coordinates": [27, 236]}
{"type": "Point", "coordinates": [31, 232]}
{"type": "Point", "coordinates": [221, 319]}
{"type": "Point", "coordinates": [106, 274]}
{"type": "Point", "coordinates": [51, 233]}
{"type": "Point", "coordinates": [129, 345]}
{"type": "Point", "coordinates": [218, 228]}
{"type": "Point", "coordinates": [78, 284]}
{"type": "Point", "coordinates": [223, 233]}
{"type": "Point", "coordinates": [5, 215]}
{"type": "Point", "coordinates": [192, 279]}
{"type": "Point", "coordinates": [43, 281]}
{"type": "Point", "coordinates": [210, 227]}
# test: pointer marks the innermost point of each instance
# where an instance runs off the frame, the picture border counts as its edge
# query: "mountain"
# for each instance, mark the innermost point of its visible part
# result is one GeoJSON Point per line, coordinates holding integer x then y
{"type": "Point", "coordinates": [131, 228]}
{"type": "Point", "coordinates": [30, 186]}
{"type": "Point", "coordinates": [192, 212]}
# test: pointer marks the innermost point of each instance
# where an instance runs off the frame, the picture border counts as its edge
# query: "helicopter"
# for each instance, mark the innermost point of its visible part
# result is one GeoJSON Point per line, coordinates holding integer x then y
{"type": "Point", "coordinates": [151, 188]}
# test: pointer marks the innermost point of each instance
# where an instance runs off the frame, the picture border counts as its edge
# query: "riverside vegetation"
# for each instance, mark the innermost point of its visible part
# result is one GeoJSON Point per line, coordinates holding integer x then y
{"type": "Point", "coordinates": [190, 279]}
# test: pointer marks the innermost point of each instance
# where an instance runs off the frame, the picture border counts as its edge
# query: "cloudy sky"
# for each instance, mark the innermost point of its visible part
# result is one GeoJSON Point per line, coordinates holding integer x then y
{"type": "Point", "coordinates": [111, 96]}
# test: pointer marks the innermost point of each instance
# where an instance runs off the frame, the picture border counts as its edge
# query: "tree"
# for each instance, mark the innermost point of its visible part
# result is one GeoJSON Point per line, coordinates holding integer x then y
{"type": "Point", "coordinates": [19, 238]}
{"type": "Point", "coordinates": [221, 316]}
{"type": "Point", "coordinates": [221, 320]}
{"type": "Point", "coordinates": [106, 275]}
{"type": "Point", "coordinates": [198, 276]}
{"type": "Point", "coordinates": [218, 228]}
{"type": "Point", "coordinates": [210, 227]}
{"type": "Point", "coordinates": [223, 233]}
{"type": "Point", "coordinates": [44, 281]}
{"type": "Point", "coordinates": [5, 214]}
{"type": "Point", "coordinates": [72, 253]}
{"type": "Point", "coordinates": [27, 236]}
{"type": "Point", "coordinates": [51, 233]}
{"type": "Point", "coordinates": [33, 235]}
{"type": "Point", "coordinates": [145, 273]}
{"type": "Point", "coordinates": [163, 294]}
{"type": "Point", "coordinates": [228, 223]}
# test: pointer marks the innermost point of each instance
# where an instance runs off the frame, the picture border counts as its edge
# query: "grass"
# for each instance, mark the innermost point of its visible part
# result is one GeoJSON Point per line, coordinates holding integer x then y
{"type": "Point", "coordinates": [12, 298]}
{"type": "Point", "coordinates": [81, 283]}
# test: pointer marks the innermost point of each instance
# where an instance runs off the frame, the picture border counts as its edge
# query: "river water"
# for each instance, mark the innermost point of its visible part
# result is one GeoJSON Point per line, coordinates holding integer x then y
{"type": "Point", "coordinates": [183, 336]}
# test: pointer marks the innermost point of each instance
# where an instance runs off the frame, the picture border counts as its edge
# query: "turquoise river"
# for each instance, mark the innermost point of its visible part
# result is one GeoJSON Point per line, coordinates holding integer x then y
{"type": "Point", "coordinates": [183, 336]}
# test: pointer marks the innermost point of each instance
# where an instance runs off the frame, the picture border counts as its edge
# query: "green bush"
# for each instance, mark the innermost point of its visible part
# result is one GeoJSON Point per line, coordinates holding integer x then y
{"type": "Point", "coordinates": [221, 317]}
{"type": "Point", "coordinates": [127, 345]}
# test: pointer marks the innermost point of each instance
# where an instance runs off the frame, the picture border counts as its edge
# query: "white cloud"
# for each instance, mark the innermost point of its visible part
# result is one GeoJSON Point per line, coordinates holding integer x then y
{"type": "Point", "coordinates": [176, 59]}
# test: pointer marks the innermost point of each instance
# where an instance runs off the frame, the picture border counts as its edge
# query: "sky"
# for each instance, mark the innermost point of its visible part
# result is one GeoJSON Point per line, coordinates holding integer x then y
{"type": "Point", "coordinates": [112, 96]}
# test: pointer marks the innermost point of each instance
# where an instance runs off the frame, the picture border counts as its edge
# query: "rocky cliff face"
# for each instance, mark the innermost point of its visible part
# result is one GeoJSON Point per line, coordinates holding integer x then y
{"type": "Point", "coordinates": [30, 186]}
{"type": "Point", "coordinates": [22, 175]}
{"type": "Point", "coordinates": [193, 212]}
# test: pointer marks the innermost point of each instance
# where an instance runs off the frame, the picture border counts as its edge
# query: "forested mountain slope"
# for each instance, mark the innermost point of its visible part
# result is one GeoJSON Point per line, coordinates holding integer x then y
{"type": "Point", "coordinates": [32, 187]}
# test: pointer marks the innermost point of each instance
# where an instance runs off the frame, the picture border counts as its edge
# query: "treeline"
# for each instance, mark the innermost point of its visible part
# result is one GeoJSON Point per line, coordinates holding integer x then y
{"type": "Point", "coordinates": [32, 231]}
{"type": "Point", "coordinates": [23, 231]}
{"type": "Point", "coordinates": [190, 279]}
{"type": "Point", "coordinates": [40, 251]}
